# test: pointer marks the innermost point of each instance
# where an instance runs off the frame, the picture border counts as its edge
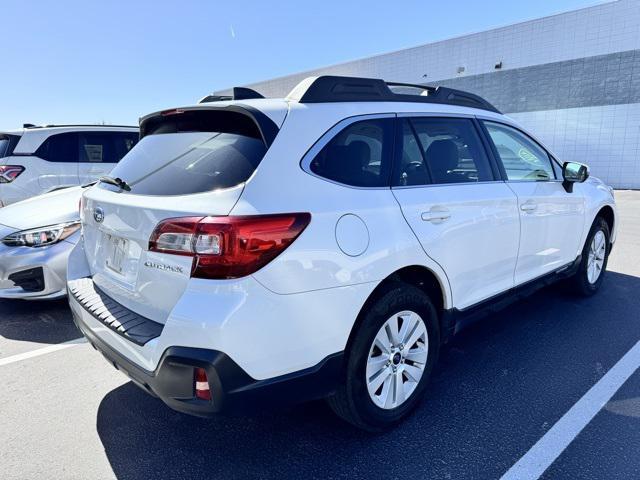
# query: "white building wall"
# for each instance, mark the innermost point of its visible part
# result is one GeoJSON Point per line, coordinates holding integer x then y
{"type": "Point", "coordinates": [605, 132]}
{"type": "Point", "coordinates": [601, 29]}
{"type": "Point", "coordinates": [605, 138]}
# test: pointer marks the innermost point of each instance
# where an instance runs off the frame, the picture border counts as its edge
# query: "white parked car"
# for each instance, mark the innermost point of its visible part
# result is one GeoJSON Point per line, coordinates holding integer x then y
{"type": "Point", "coordinates": [36, 237]}
{"type": "Point", "coordinates": [37, 160]}
{"type": "Point", "coordinates": [256, 251]}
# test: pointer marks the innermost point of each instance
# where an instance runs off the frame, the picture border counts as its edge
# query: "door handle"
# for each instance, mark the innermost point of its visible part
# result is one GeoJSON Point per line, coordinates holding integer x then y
{"type": "Point", "coordinates": [528, 207]}
{"type": "Point", "coordinates": [436, 216]}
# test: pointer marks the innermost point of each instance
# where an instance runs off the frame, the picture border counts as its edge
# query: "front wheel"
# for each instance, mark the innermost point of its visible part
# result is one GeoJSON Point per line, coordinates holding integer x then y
{"type": "Point", "coordinates": [390, 360]}
{"type": "Point", "coordinates": [593, 264]}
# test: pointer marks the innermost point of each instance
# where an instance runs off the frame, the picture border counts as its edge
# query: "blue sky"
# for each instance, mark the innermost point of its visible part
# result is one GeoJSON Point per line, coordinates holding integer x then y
{"type": "Point", "coordinates": [74, 61]}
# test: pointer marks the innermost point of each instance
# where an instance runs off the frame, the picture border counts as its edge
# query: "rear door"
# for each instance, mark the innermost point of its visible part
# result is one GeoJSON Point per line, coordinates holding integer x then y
{"type": "Point", "coordinates": [55, 163]}
{"type": "Point", "coordinates": [465, 219]}
{"type": "Point", "coordinates": [99, 152]}
{"type": "Point", "coordinates": [551, 219]}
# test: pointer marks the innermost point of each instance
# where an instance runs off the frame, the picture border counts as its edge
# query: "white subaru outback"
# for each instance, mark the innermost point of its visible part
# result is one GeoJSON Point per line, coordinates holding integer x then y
{"type": "Point", "coordinates": [255, 252]}
{"type": "Point", "coordinates": [36, 160]}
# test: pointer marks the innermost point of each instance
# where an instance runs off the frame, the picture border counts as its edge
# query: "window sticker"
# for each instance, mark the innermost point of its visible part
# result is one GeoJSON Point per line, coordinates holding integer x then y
{"type": "Point", "coordinates": [93, 153]}
{"type": "Point", "coordinates": [527, 156]}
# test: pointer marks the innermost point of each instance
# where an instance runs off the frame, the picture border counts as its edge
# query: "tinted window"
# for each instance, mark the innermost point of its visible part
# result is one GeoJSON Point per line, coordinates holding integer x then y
{"type": "Point", "coordinates": [184, 163]}
{"type": "Point", "coordinates": [441, 151]}
{"type": "Point", "coordinates": [105, 147]}
{"type": "Point", "coordinates": [359, 155]}
{"type": "Point", "coordinates": [522, 158]}
{"type": "Point", "coordinates": [90, 147]}
{"type": "Point", "coordinates": [62, 148]}
{"type": "Point", "coordinates": [412, 167]}
{"type": "Point", "coordinates": [4, 145]}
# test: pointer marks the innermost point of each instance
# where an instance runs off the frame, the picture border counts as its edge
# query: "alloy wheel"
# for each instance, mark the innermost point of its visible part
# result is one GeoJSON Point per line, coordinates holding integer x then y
{"type": "Point", "coordinates": [397, 359]}
{"type": "Point", "coordinates": [595, 261]}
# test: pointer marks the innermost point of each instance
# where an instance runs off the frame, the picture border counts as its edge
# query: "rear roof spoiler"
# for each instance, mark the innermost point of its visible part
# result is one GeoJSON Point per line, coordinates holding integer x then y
{"type": "Point", "coordinates": [239, 93]}
{"type": "Point", "coordinates": [267, 127]}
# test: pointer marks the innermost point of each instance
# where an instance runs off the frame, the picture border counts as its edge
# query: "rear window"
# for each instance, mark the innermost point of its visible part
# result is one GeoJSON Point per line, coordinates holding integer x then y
{"type": "Point", "coordinates": [192, 153]}
{"type": "Point", "coordinates": [7, 144]}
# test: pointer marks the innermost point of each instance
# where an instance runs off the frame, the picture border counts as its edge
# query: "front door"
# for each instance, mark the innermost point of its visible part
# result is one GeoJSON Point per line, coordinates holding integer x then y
{"type": "Point", "coordinates": [551, 219]}
{"type": "Point", "coordinates": [465, 220]}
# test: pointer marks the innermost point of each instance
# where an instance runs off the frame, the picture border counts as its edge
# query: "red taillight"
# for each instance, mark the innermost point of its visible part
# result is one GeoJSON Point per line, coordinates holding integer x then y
{"type": "Point", "coordinates": [8, 173]}
{"type": "Point", "coordinates": [203, 392]}
{"type": "Point", "coordinates": [228, 247]}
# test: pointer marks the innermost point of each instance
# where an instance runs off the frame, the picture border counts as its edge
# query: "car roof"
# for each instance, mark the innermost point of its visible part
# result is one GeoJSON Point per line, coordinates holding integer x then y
{"type": "Point", "coordinates": [33, 137]}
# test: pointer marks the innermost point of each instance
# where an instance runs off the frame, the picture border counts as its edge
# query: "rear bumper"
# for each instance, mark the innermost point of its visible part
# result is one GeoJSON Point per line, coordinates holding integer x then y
{"type": "Point", "coordinates": [232, 389]}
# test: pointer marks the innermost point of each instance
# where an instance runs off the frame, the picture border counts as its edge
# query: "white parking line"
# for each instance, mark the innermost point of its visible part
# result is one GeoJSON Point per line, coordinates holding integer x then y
{"type": "Point", "coordinates": [546, 450]}
{"type": "Point", "coordinates": [41, 351]}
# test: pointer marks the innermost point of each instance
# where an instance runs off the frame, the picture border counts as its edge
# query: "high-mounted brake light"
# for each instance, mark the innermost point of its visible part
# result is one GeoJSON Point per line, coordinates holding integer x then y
{"type": "Point", "coordinates": [173, 111]}
{"type": "Point", "coordinates": [8, 173]}
{"type": "Point", "coordinates": [228, 247]}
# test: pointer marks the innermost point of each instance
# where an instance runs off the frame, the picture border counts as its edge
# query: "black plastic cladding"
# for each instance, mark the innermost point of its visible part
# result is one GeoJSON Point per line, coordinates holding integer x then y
{"type": "Point", "coordinates": [330, 88]}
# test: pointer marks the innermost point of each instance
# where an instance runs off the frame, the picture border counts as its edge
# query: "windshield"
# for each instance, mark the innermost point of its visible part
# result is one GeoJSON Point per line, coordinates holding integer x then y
{"type": "Point", "coordinates": [189, 162]}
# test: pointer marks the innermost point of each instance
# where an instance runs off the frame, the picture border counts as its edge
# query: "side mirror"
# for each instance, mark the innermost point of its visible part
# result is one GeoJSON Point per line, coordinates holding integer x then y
{"type": "Point", "coordinates": [573, 172]}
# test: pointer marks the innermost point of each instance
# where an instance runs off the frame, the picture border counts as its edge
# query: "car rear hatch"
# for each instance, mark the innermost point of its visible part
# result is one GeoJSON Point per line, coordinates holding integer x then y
{"type": "Point", "coordinates": [188, 163]}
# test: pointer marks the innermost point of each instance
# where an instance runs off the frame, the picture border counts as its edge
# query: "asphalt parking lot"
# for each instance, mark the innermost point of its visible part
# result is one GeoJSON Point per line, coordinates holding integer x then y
{"type": "Point", "coordinates": [501, 386]}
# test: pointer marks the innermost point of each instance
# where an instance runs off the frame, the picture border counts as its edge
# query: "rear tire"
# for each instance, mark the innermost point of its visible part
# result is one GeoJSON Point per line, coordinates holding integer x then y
{"type": "Point", "coordinates": [390, 360]}
{"type": "Point", "coordinates": [593, 264]}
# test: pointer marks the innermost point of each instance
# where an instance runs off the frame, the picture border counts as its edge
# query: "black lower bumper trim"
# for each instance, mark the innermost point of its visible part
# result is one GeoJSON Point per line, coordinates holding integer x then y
{"type": "Point", "coordinates": [232, 389]}
{"type": "Point", "coordinates": [31, 280]}
{"type": "Point", "coordinates": [117, 317]}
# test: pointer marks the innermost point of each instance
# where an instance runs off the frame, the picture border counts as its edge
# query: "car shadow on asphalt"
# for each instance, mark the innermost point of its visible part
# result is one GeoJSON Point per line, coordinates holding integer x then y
{"type": "Point", "coordinates": [44, 321]}
{"type": "Point", "coordinates": [498, 387]}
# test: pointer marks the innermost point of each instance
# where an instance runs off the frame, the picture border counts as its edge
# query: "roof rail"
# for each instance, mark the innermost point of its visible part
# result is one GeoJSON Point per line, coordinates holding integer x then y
{"type": "Point", "coordinates": [330, 88]}
{"type": "Point", "coordinates": [239, 93]}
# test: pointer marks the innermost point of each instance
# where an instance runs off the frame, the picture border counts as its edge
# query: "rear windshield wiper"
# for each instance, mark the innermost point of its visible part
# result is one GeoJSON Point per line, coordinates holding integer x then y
{"type": "Point", "coordinates": [118, 182]}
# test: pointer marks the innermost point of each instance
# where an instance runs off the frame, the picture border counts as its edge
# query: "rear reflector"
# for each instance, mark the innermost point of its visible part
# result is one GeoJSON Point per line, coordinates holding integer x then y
{"type": "Point", "coordinates": [228, 247]}
{"type": "Point", "coordinates": [203, 392]}
{"type": "Point", "coordinates": [8, 173]}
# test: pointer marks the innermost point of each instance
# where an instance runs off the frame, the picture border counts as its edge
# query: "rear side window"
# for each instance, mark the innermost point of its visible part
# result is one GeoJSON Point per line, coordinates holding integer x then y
{"type": "Point", "coordinates": [7, 144]}
{"type": "Point", "coordinates": [441, 151]}
{"type": "Point", "coordinates": [87, 147]}
{"type": "Point", "coordinates": [522, 158]}
{"type": "Point", "coordinates": [60, 148]}
{"type": "Point", "coordinates": [359, 155]}
{"type": "Point", "coordinates": [192, 153]}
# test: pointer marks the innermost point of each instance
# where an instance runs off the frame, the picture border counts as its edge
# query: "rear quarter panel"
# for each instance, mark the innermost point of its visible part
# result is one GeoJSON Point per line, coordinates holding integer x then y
{"type": "Point", "coordinates": [315, 261]}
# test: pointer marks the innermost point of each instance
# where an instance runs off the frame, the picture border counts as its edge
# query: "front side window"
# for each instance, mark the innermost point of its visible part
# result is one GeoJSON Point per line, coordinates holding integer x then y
{"type": "Point", "coordinates": [441, 151]}
{"type": "Point", "coordinates": [521, 157]}
{"type": "Point", "coordinates": [359, 155]}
